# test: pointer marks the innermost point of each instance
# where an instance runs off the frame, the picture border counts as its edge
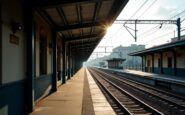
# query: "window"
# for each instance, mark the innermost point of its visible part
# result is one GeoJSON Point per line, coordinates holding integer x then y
{"type": "Point", "coordinates": [159, 62]}
{"type": "Point", "coordinates": [169, 62]}
{"type": "Point", "coordinates": [148, 63]}
{"type": "Point", "coordinates": [43, 55]}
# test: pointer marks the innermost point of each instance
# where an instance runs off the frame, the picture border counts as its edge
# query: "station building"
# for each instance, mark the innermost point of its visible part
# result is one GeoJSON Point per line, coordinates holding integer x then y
{"type": "Point", "coordinates": [115, 63]}
{"type": "Point", "coordinates": [168, 59]}
{"type": "Point", "coordinates": [43, 43]}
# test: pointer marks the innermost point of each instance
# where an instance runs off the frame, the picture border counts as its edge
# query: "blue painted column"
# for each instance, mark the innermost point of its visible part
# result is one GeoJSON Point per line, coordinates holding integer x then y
{"type": "Point", "coordinates": [54, 76]}
{"type": "Point", "coordinates": [152, 63]}
{"type": "Point", "coordinates": [175, 63]}
{"type": "Point", "coordinates": [68, 61]}
{"type": "Point", "coordinates": [161, 57]}
{"type": "Point", "coordinates": [145, 64]}
{"type": "Point", "coordinates": [30, 50]}
{"type": "Point", "coordinates": [142, 60]}
{"type": "Point", "coordinates": [63, 62]}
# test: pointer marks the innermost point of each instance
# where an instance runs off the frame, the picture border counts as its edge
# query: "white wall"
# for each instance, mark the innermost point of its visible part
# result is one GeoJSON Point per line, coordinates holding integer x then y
{"type": "Point", "coordinates": [148, 57]}
{"type": "Point", "coordinates": [156, 57]}
{"type": "Point", "coordinates": [13, 56]}
{"type": "Point", "coordinates": [165, 58]}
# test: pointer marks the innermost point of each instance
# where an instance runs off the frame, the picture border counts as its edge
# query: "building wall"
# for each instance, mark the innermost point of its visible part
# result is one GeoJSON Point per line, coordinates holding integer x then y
{"type": "Point", "coordinates": [13, 55]}
{"type": "Point", "coordinates": [157, 69]}
{"type": "Point", "coordinates": [148, 67]}
{"type": "Point", "coordinates": [165, 59]}
{"type": "Point", "coordinates": [13, 58]}
{"type": "Point", "coordinates": [42, 82]}
{"type": "Point", "coordinates": [180, 64]}
{"type": "Point", "coordinates": [122, 52]}
{"type": "Point", "coordinates": [156, 57]}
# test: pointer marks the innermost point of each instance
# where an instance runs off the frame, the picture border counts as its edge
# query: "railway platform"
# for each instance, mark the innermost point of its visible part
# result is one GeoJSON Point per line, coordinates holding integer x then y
{"type": "Point", "coordinates": [174, 83]}
{"type": "Point", "coordinates": [79, 96]}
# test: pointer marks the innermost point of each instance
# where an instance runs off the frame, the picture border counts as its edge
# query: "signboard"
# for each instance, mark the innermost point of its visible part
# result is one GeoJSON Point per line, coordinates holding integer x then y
{"type": "Point", "coordinates": [14, 39]}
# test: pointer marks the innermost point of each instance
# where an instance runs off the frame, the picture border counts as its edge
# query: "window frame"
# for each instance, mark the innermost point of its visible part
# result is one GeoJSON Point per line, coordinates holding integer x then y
{"type": "Point", "coordinates": [169, 62]}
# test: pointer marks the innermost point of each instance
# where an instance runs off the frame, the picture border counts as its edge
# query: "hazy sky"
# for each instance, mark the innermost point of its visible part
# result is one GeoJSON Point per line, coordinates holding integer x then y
{"type": "Point", "coordinates": [149, 35]}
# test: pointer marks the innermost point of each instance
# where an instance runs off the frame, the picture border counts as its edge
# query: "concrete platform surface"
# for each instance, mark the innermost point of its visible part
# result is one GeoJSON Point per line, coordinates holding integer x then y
{"type": "Point", "coordinates": [175, 79]}
{"type": "Point", "coordinates": [70, 98]}
{"type": "Point", "coordinates": [66, 101]}
{"type": "Point", "coordinates": [100, 104]}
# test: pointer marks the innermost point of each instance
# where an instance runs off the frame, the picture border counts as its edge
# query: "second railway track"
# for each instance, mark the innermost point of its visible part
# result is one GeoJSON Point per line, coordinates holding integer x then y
{"type": "Point", "coordinates": [163, 101]}
{"type": "Point", "coordinates": [128, 104]}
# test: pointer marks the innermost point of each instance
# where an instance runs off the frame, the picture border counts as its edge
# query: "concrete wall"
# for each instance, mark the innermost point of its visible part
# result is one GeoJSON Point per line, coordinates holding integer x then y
{"type": "Point", "coordinates": [149, 57]}
{"type": "Point", "coordinates": [13, 55]}
{"type": "Point", "coordinates": [156, 57]}
{"type": "Point", "coordinates": [12, 60]}
{"type": "Point", "coordinates": [165, 59]}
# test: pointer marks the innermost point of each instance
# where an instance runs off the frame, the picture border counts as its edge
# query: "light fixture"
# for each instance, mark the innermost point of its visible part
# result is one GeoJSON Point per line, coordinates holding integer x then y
{"type": "Point", "coordinates": [15, 26]}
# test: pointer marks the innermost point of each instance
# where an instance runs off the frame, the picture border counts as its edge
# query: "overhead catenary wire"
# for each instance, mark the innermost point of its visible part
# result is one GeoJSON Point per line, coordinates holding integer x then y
{"type": "Point", "coordinates": [147, 9]}
{"type": "Point", "coordinates": [132, 16]}
{"type": "Point", "coordinates": [167, 18]}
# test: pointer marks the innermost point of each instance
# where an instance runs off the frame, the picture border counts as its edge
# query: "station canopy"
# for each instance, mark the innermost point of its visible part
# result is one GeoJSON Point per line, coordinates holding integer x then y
{"type": "Point", "coordinates": [81, 23]}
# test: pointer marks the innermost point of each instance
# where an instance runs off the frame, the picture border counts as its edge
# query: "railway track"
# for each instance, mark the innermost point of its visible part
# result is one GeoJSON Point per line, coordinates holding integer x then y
{"type": "Point", "coordinates": [164, 101]}
{"type": "Point", "coordinates": [124, 102]}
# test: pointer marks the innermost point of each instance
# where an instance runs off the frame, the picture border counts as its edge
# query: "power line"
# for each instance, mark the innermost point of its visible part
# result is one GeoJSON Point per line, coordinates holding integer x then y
{"type": "Point", "coordinates": [139, 9]}
{"type": "Point", "coordinates": [133, 14]}
{"type": "Point", "coordinates": [167, 18]}
{"type": "Point", "coordinates": [147, 8]}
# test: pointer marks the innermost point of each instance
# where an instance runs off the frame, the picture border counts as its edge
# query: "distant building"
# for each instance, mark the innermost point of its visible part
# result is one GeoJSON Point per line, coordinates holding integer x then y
{"type": "Point", "coordinates": [122, 52]}
{"type": "Point", "coordinates": [166, 59]}
{"type": "Point", "coordinates": [115, 63]}
{"type": "Point", "coordinates": [102, 64]}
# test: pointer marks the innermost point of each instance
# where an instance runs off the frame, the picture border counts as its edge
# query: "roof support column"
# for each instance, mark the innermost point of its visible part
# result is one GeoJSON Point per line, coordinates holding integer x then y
{"type": "Point", "coordinates": [152, 63]}
{"type": "Point", "coordinates": [175, 63]}
{"type": "Point", "coordinates": [68, 61]}
{"type": "Point", "coordinates": [63, 62]}
{"type": "Point", "coordinates": [73, 63]}
{"type": "Point", "coordinates": [161, 67]}
{"type": "Point", "coordinates": [142, 60]}
{"type": "Point", "coordinates": [54, 76]}
{"type": "Point", "coordinates": [30, 63]}
{"type": "Point", "coordinates": [145, 63]}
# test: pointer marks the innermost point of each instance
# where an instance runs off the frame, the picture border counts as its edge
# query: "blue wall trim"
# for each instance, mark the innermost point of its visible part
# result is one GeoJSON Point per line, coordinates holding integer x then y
{"type": "Point", "coordinates": [181, 72]}
{"type": "Point", "coordinates": [157, 70]}
{"type": "Point", "coordinates": [12, 97]}
{"type": "Point", "coordinates": [42, 83]}
{"type": "Point", "coordinates": [168, 71]}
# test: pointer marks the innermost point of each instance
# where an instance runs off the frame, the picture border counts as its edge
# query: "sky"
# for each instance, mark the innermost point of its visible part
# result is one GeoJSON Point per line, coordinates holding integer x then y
{"type": "Point", "coordinates": [148, 34]}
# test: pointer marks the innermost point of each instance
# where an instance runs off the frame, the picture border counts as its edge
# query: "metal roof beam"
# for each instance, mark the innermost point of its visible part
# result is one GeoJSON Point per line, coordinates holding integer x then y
{"type": "Point", "coordinates": [82, 37]}
{"type": "Point", "coordinates": [46, 17]}
{"type": "Point", "coordinates": [83, 45]}
{"type": "Point", "coordinates": [62, 15]}
{"type": "Point", "coordinates": [77, 26]}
